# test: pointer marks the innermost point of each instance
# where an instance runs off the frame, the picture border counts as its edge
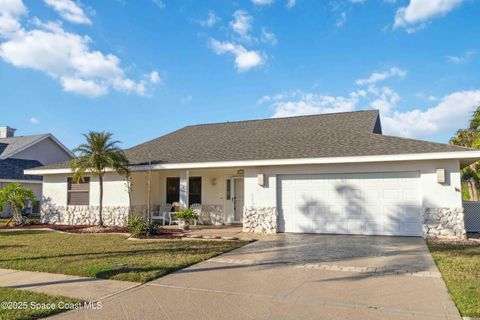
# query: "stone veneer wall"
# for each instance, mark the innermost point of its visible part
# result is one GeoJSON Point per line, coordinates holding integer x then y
{"type": "Point", "coordinates": [81, 215]}
{"type": "Point", "coordinates": [212, 214]}
{"type": "Point", "coordinates": [260, 220]}
{"type": "Point", "coordinates": [444, 223]}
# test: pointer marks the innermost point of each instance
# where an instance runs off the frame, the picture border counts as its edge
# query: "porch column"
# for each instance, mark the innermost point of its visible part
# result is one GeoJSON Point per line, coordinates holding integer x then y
{"type": "Point", "coordinates": [184, 175]}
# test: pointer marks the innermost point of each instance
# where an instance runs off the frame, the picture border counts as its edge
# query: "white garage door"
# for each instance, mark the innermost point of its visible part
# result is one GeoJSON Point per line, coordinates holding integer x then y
{"type": "Point", "coordinates": [365, 203]}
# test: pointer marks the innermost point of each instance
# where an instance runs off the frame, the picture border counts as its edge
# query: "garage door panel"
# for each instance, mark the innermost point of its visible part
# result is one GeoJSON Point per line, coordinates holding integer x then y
{"type": "Point", "coordinates": [369, 203]}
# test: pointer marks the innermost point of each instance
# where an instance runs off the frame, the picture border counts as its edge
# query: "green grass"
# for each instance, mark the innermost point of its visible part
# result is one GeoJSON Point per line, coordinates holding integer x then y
{"type": "Point", "coordinates": [24, 304]}
{"type": "Point", "coordinates": [460, 268]}
{"type": "Point", "coordinates": [101, 256]}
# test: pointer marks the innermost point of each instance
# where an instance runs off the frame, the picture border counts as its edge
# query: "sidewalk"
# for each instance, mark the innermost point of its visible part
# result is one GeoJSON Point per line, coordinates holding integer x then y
{"type": "Point", "coordinates": [89, 289]}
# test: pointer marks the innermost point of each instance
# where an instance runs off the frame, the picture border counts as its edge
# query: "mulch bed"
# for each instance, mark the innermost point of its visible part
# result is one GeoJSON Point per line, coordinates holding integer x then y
{"type": "Point", "coordinates": [59, 227]}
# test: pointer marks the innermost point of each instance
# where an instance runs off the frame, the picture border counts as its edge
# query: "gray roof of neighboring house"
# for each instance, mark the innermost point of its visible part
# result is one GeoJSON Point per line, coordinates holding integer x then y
{"type": "Point", "coordinates": [12, 169]}
{"type": "Point", "coordinates": [316, 136]}
{"type": "Point", "coordinates": [10, 146]}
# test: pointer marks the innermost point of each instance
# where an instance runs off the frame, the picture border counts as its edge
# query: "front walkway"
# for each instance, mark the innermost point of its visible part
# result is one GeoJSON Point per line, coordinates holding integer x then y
{"type": "Point", "coordinates": [295, 277]}
{"type": "Point", "coordinates": [88, 289]}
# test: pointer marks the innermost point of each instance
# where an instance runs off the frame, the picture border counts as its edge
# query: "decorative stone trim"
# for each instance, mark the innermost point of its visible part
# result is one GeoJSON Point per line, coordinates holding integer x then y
{"type": "Point", "coordinates": [444, 223]}
{"type": "Point", "coordinates": [83, 215]}
{"type": "Point", "coordinates": [260, 220]}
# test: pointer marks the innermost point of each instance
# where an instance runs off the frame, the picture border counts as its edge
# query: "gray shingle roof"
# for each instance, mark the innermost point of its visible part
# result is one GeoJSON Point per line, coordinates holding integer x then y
{"type": "Point", "coordinates": [9, 146]}
{"type": "Point", "coordinates": [317, 136]}
{"type": "Point", "coordinates": [13, 169]}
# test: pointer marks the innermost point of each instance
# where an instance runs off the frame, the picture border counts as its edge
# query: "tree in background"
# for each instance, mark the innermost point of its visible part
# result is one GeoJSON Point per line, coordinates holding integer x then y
{"type": "Point", "coordinates": [18, 198]}
{"type": "Point", "coordinates": [99, 154]}
{"type": "Point", "coordinates": [470, 138]}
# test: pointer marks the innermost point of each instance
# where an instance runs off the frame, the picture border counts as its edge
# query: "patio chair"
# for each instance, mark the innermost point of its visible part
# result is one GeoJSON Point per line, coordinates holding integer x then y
{"type": "Point", "coordinates": [162, 213]}
{"type": "Point", "coordinates": [171, 215]}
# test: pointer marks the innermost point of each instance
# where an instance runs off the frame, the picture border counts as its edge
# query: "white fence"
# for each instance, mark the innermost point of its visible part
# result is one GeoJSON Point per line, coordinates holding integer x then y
{"type": "Point", "coordinates": [472, 215]}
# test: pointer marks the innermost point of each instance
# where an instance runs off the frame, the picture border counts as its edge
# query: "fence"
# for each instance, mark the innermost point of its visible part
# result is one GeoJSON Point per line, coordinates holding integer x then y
{"type": "Point", "coordinates": [472, 215]}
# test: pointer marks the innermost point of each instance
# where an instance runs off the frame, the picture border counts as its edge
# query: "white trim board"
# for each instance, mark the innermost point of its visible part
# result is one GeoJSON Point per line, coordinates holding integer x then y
{"type": "Point", "coordinates": [466, 157]}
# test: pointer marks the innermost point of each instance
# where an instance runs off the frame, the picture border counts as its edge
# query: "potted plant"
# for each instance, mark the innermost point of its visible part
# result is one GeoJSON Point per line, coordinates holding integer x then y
{"type": "Point", "coordinates": [185, 217]}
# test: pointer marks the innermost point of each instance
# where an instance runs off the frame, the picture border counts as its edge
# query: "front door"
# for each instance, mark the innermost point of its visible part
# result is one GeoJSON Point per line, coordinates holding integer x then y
{"type": "Point", "coordinates": [234, 200]}
{"type": "Point", "coordinates": [238, 200]}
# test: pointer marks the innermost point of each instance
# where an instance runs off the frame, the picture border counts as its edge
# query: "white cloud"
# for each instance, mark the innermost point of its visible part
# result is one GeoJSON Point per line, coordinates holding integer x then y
{"type": "Point", "coordinates": [341, 19]}
{"type": "Point", "coordinates": [211, 20]}
{"type": "Point", "coordinates": [242, 24]}
{"type": "Point", "coordinates": [10, 12]}
{"type": "Point", "coordinates": [244, 59]}
{"type": "Point", "coordinates": [160, 3]}
{"type": "Point", "coordinates": [381, 76]}
{"type": "Point", "coordinates": [291, 3]}
{"type": "Point", "coordinates": [449, 114]}
{"type": "Point", "coordinates": [262, 2]}
{"type": "Point", "coordinates": [357, 1]}
{"type": "Point", "coordinates": [69, 11]}
{"type": "Point", "coordinates": [84, 87]}
{"type": "Point", "coordinates": [66, 57]}
{"type": "Point", "coordinates": [466, 57]}
{"type": "Point", "coordinates": [299, 103]}
{"type": "Point", "coordinates": [34, 120]}
{"type": "Point", "coordinates": [186, 99]}
{"type": "Point", "coordinates": [154, 77]}
{"type": "Point", "coordinates": [387, 99]}
{"type": "Point", "coordinates": [418, 12]}
{"type": "Point", "coordinates": [269, 37]}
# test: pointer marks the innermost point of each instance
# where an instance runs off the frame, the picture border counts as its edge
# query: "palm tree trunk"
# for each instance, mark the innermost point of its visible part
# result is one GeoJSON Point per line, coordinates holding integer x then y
{"type": "Point", "coordinates": [17, 216]}
{"type": "Point", "coordinates": [473, 190]}
{"type": "Point", "coordinates": [100, 209]}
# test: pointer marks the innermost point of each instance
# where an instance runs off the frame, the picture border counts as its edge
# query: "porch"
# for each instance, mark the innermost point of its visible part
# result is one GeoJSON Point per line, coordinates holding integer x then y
{"type": "Point", "coordinates": [218, 193]}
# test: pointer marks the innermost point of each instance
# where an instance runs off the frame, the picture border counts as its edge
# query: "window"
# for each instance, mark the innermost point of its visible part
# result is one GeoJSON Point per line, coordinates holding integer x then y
{"type": "Point", "coordinates": [229, 191]}
{"type": "Point", "coordinates": [194, 190]}
{"type": "Point", "coordinates": [78, 193]}
{"type": "Point", "coordinates": [173, 190]}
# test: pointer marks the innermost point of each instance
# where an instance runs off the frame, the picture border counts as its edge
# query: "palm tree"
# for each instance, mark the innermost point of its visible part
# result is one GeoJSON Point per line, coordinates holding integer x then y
{"type": "Point", "coordinates": [98, 155]}
{"type": "Point", "coordinates": [470, 138]}
{"type": "Point", "coordinates": [17, 197]}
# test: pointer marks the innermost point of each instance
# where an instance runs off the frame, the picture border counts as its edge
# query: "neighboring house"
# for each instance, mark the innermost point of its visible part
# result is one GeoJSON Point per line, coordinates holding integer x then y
{"type": "Point", "coordinates": [331, 173]}
{"type": "Point", "coordinates": [26, 152]}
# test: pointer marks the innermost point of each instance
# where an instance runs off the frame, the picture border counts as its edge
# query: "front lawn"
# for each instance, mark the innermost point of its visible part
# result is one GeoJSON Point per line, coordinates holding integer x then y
{"type": "Point", "coordinates": [22, 304]}
{"type": "Point", "coordinates": [460, 268]}
{"type": "Point", "coordinates": [108, 256]}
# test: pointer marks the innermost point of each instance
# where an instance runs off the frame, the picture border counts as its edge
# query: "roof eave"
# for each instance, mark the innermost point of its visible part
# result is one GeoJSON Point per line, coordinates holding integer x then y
{"type": "Point", "coordinates": [465, 158]}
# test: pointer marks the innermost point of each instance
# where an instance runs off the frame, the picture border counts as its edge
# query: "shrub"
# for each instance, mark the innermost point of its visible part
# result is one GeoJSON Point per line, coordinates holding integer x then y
{"type": "Point", "coordinates": [140, 227]}
{"type": "Point", "coordinates": [187, 214]}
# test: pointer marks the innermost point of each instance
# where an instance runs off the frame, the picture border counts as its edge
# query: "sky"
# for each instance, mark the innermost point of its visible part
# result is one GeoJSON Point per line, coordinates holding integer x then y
{"type": "Point", "coordinates": [143, 68]}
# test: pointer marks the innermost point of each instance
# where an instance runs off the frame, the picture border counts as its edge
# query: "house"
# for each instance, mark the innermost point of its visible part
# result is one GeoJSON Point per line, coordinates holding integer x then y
{"type": "Point", "coordinates": [330, 173]}
{"type": "Point", "coordinates": [25, 152]}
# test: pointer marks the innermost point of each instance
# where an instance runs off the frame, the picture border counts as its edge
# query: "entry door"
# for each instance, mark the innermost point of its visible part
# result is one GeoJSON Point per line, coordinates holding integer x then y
{"type": "Point", "coordinates": [238, 200]}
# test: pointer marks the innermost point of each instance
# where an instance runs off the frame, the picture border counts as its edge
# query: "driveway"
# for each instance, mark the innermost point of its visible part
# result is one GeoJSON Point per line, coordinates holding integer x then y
{"type": "Point", "coordinates": [296, 277]}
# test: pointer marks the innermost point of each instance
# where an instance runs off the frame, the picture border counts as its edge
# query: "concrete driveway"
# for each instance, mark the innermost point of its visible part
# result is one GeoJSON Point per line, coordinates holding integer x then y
{"type": "Point", "coordinates": [296, 277]}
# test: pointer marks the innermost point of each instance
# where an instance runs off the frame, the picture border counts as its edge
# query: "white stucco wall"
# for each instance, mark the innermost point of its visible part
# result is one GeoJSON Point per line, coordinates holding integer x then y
{"type": "Point", "coordinates": [114, 190]}
{"type": "Point", "coordinates": [116, 194]}
{"type": "Point", "coordinates": [46, 151]}
{"type": "Point", "coordinates": [434, 195]}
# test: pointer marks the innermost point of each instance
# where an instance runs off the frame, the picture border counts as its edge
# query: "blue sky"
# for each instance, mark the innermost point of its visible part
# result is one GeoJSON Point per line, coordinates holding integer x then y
{"type": "Point", "coordinates": [143, 68]}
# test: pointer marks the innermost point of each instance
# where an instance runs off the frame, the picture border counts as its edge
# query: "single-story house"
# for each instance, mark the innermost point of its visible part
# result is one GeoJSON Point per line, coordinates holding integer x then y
{"type": "Point", "coordinates": [330, 173]}
{"type": "Point", "coordinates": [18, 153]}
